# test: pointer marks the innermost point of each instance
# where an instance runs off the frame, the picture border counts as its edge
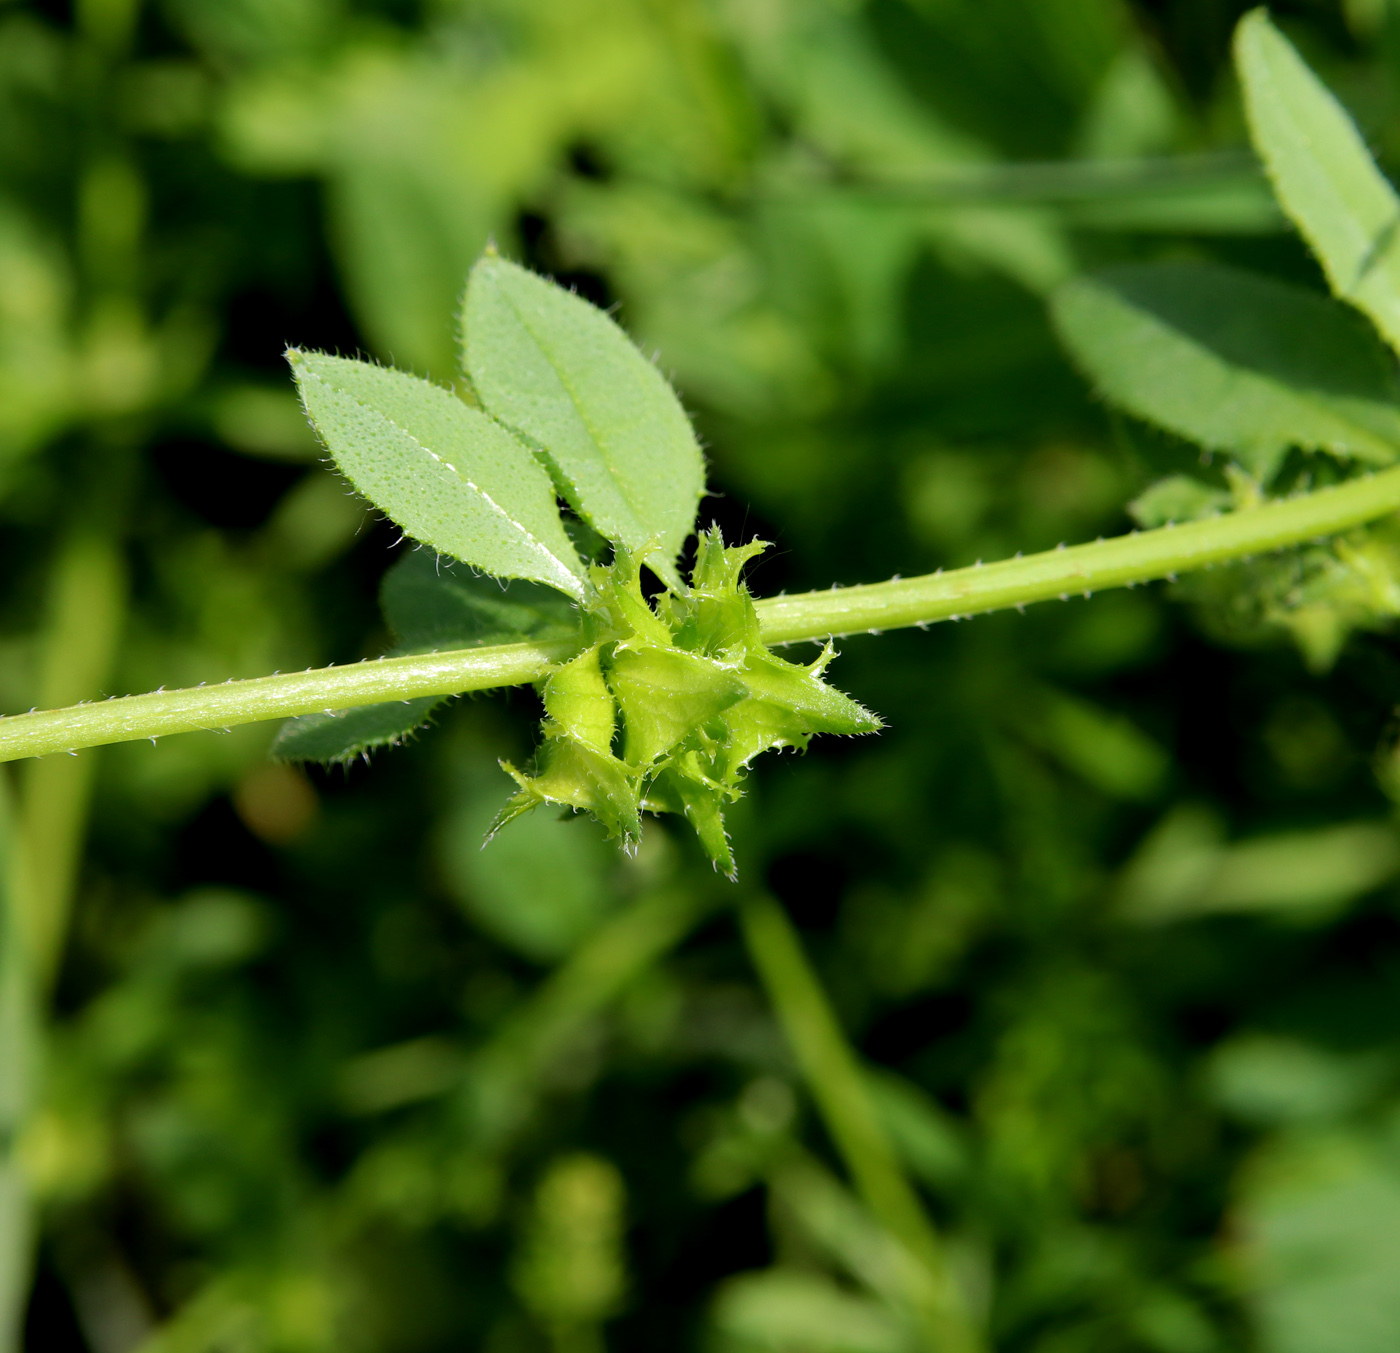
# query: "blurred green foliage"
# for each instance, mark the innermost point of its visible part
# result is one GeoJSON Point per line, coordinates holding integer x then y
{"type": "Point", "coordinates": [1110, 910]}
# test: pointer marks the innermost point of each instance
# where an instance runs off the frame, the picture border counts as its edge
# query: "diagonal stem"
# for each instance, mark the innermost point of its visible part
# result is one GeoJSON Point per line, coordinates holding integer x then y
{"type": "Point", "coordinates": [20, 1040]}
{"type": "Point", "coordinates": [833, 1074]}
{"type": "Point", "coordinates": [1118, 562]}
{"type": "Point", "coordinates": [87, 610]}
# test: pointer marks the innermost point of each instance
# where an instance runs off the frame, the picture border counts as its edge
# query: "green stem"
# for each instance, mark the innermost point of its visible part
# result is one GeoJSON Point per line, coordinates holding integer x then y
{"type": "Point", "coordinates": [41, 846]}
{"type": "Point", "coordinates": [19, 1058]}
{"type": "Point", "coordinates": [838, 1085]}
{"type": "Point", "coordinates": [1032, 183]}
{"type": "Point", "coordinates": [1083, 569]}
{"type": "Point", "coordinates": [132, 717]}
{"type": "Point", "coordinates": [87, 608]}
{"type": "Point", "coordinates": [1142, 556]}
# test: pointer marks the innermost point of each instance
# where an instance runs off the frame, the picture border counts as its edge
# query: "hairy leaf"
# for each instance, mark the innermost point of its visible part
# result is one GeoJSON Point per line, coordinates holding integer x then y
{"type": "Point", "coordinates": [1323, 174]}
{"type": "Point", "coordinates": [432, 603]}
{"type": "Point", "coordinates": [1236, 362]}
{"type": "Point", "coordinates": [564, 375]}
{"type": "Point", "coordinates": [446, 473]}
{"type": "Point", "coordinates": [1179, 497]}
{"type": "Point", "coordinates": [331, 738]}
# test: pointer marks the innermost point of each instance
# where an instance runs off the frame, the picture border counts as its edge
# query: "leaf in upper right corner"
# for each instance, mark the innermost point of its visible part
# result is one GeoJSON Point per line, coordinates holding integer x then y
{"type": "Point", "coordinates": [1322, 173]}
{"type": "Point", "coordinates": [564, 375]}
{"type": "Point", "coordinates": [1236, 362]}
{"type": "Point", "coordinates": [447, 474]}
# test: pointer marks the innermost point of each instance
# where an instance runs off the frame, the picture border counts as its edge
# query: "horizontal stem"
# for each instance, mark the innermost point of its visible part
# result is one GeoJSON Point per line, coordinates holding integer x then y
{"type": "Point", "coordinates": [325, 689]}
{"type": "Point", "coordinates": [1050, 182]}
{"type": "Point", "coordinates": [1082, 569]}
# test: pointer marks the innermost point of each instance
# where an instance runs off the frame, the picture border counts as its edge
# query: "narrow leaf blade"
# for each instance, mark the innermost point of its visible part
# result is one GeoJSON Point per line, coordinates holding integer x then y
{"type": "Point", "coordinates": [1236, 362]}
{"type": "Point", "coordinates": [446, 473]}
{"type": "Point", "coordinates": [1322, 173]}
{"type": "Point", "coordinates": [564, 375]}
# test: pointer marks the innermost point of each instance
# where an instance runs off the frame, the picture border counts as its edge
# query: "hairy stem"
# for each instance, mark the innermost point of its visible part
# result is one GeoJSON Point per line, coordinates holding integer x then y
{"type": "Point", "coordinates": [833, 1074]}
{"type": "Point", "coordinates": [210, 708]}
{"type": "Point", "coordinates": [1082, 569]}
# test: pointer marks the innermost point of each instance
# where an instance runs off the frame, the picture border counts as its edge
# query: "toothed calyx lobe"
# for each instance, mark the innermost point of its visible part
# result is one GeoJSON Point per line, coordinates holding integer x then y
{"type": "Point", "coordinates": [671, 702]}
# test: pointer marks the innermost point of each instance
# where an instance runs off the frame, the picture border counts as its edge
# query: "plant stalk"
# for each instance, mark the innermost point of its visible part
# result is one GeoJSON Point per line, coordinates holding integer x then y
{"type": "Point", "coordinates": [833, 1074]}
{"type": "Point", "coordinates": [87, 610]}
{"type": "Point", "coordinates": [1079, 570]}
{"type": "Point", "coordinates": [20, 1044]}
{"type": "Point", "coordinates": [1142, 556]}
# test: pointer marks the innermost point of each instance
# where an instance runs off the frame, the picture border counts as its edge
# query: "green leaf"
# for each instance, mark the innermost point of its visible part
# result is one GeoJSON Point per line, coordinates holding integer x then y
{"type": "Point", "coordinates": [1322, 173]}
{"type": "Point", "coordinates": [1317, 1237]}
{"type": "Point", "coordinates": [432, 603]}
{"type": "Point", "coordinates": [331, 738]}
{"type": "Point", "coordinates": [1179, 497]}
{"type": "Point", "coordinates": [1104, 749]}
{"type": "Point", "coordinates": [565, 376]}
{"type": "Point", "coordinates": [781, 1308]}
{"type": "Point", "coordinates": [542, 887]}
{"type": "Point", "coordinates": [446, 473]}
{"type": "Point", "coordinates": [1236, 362]}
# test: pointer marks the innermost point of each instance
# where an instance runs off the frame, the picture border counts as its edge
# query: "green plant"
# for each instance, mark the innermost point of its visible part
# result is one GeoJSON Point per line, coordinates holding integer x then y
{"type": "Point", "coordinates": [660, 705]}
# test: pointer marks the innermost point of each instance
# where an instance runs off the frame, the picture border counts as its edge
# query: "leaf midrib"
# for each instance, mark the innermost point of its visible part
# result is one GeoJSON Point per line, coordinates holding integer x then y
{"type": "Point", "coordinates": [447, 464]}
{"type": "Point", "coordinates": [593, 434]}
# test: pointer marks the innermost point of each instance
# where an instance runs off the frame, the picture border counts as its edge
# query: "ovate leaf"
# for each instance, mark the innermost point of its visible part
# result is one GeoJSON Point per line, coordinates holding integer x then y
{"type": "Point", "coordinates": [1179, 497]}
{"type": "Point", "coordinates": [1236, 362]}
{"type": "Point", "coordinates": [336, 737]}
{"type": "Point", "coordinates": [432, 603]}
{"type": "Point", "coordinates": [1323, 174]}
{"type": "Point", "coordinates": [447, 474]}
{"type": "Point", "coordinates": [564, 375]}
{"type": "Point", "coordinates": [1316, 1230]}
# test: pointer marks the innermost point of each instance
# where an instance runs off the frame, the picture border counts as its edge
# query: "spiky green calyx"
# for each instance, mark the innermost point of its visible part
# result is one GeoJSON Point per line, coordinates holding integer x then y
{"type": "Point", "coordinates": [672, 702]}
